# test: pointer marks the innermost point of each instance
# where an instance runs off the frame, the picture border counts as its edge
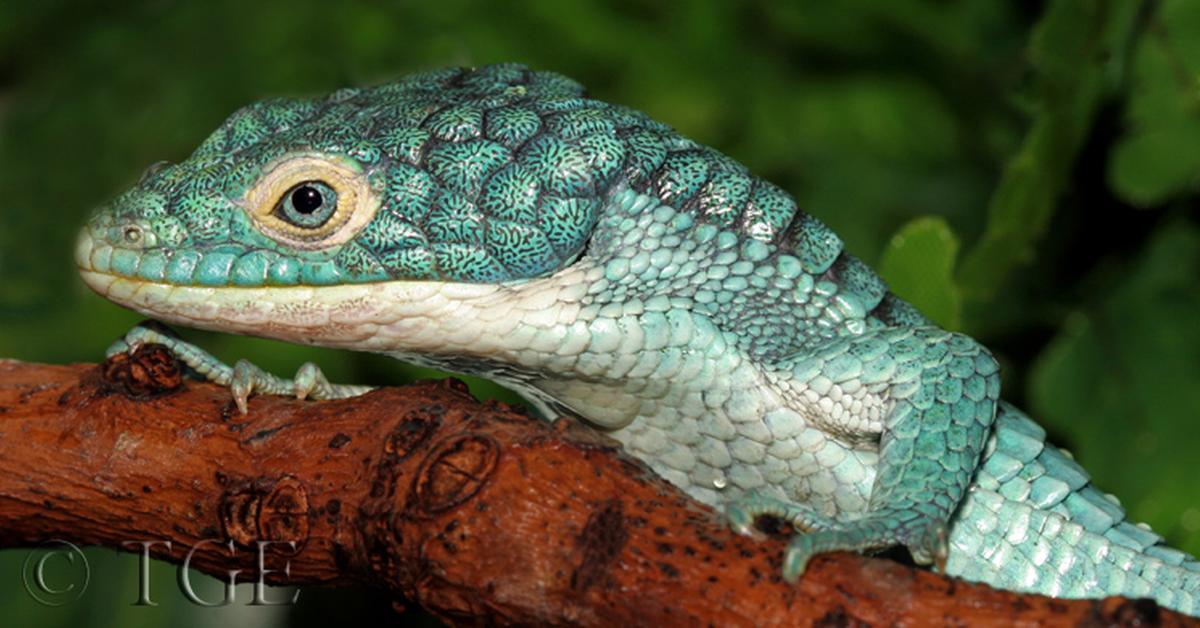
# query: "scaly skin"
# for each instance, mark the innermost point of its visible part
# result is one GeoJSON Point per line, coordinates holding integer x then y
{"type": "Point", "coordinates": [497, 222]}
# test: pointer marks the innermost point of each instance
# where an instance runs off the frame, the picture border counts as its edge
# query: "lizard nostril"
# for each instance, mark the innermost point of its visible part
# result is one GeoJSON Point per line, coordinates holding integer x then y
{"type": "Point", "coordinates": [133, 235]}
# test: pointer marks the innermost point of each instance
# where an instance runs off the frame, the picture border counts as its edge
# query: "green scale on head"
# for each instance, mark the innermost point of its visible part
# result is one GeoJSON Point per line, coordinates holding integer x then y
{"type": "Point", "coordinates": [489, 175]}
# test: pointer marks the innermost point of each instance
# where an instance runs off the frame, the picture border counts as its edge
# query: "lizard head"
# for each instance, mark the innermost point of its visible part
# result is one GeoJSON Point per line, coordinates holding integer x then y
{"type": "Point", "coordinates": [445, 176]}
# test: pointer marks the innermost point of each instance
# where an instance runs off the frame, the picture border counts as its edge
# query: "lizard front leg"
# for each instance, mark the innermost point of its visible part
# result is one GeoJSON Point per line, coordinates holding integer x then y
{"type": "Point", "coordinates": [940, 391]}
{"type": "Point", "coordinates": [243, 378]}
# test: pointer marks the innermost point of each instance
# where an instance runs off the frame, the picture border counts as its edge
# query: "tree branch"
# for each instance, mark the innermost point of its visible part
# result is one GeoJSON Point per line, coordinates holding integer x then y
{"type": "Point", "coordinates": [474, 511]}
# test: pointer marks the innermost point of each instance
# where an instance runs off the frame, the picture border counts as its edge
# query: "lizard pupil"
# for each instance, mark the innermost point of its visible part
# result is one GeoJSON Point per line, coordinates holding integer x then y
{"type": "Point", "coordinates": [307, 205]}
{"type": "Point", "coordinates": [307, 199]}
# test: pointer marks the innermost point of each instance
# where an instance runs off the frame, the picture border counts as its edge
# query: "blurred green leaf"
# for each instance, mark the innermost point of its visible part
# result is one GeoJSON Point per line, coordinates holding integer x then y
{"type": "Point", "coordinates": [918, 264]}
{"type": "Point", "coordinates": [871, 150]}
{"type": "Point", "coordinates": [1076, 51]}
{"type": "Point", "coordinates": [1157, 158]}
{"type": "Point", "coordinates": [1125, 368]}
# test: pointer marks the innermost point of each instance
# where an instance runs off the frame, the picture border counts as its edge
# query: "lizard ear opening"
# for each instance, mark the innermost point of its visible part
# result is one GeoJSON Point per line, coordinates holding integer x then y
{"type": "Point", "coordinates": [311, 201]}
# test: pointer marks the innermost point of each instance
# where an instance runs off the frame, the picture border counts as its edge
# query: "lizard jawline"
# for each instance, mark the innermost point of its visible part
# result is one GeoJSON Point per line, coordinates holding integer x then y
{"type": "Point", "coordinates": [411, 316]}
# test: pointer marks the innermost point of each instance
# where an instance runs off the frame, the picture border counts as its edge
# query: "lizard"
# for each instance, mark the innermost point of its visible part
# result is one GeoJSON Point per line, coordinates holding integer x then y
{"type": "Point", "coordinates": [497, 221]}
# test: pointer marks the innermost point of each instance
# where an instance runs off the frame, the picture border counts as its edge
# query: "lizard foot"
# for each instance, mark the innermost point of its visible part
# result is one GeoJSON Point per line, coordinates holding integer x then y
{"type": "Point", "coordinates": [925, 538]}
{"type": "Point", "coordinates": [244, 378]}
{"type": "Point", "coordinates": [744, 512]}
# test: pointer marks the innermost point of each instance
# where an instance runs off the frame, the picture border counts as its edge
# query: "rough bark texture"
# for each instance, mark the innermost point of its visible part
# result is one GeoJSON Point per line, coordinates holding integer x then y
{"type": "Point", "coordinates": [474, 511]}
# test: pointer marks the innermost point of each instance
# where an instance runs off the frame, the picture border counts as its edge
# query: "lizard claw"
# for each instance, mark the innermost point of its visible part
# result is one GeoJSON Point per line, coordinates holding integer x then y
{"type": "Point", "coordinates": [933, 549]}
{"type": "Point", "coordinates": [117, 347]}
{"type": "Point", "coordinates": [241, 384]}
{"type": "Point", "coordinates": [308, 379]}
{"type": "Point", "coordinates": [310, 383]}
{"type": "Point", "coordinates": [743, 520]}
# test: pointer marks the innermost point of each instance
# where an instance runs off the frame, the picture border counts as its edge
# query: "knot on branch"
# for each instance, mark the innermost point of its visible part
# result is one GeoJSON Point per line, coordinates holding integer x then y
{"type": "Point", "coordinates": [453, 473]}
{"type": "Point", "coordinates": [266, 510]}
{"type": "Point", "coordinates": [146, 372]}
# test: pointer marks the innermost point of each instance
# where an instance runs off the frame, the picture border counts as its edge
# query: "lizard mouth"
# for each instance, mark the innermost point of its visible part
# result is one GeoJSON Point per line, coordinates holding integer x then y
{"type": "Point", "coordinates": [294, 314]}
{"type": "Point", "coordinates": [365, 316]}
{"type": "Point", "coordinates": [385, 316]}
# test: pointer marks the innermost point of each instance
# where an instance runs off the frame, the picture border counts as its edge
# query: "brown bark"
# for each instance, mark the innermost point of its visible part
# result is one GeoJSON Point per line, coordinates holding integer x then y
{"type": "Point", "coordinates": [474, 511]}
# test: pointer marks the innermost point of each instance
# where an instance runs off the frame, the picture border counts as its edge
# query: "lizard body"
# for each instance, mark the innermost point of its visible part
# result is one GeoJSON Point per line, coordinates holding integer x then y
{"type": "Point", "coordinates": [498, 222]}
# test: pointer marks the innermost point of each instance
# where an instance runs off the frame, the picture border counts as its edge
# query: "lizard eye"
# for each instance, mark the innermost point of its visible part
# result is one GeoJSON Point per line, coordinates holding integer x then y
{"type": "Point", "coordinates": [311, 201]}
{"type": "Point", "coordinates": [307, 205]}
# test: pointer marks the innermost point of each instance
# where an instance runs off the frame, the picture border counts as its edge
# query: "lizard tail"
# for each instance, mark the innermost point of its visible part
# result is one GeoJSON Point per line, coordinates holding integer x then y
{"type": "Point", "coordinates": [1034, 522]}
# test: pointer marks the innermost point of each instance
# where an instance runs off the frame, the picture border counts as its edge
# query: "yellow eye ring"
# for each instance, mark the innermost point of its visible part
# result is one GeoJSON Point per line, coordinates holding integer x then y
{"type": "Point", "coordinates": [356, 201]}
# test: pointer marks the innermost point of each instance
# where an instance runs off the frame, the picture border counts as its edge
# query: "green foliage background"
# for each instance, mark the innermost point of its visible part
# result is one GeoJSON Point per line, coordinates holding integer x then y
{"type": "Point", "coordinates": [1026, 172]}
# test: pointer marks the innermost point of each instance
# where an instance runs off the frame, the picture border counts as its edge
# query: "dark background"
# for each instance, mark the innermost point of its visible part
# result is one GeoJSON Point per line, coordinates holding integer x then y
{"type": "Point", "coordinates": [1026, 172]}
